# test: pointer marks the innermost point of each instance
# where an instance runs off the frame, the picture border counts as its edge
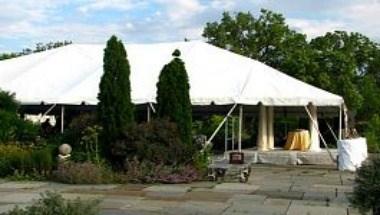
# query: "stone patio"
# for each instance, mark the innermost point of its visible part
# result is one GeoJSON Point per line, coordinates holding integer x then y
{"type": "Point", "coordinates": [270, 190]}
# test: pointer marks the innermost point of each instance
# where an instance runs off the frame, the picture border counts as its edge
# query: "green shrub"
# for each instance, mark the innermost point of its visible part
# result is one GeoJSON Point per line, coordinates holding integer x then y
{"type": "Point", "coordinates": [372, 133]}
{"type": "Point", "coordinates": [8, 102]}
{"type": "Point", "coordinates": [157, 141]}
{"type": "Point", "coordinates": [54, 204]}
{"type": "Point", "coordinates": [8, 126]}
{"type": "Point", "coordinates": [73, 133]}
{"type": "Point", "coordinates": [12, 128]}
{"type": "Point", "coordinates": [25, 160]}
{"type": "Point", "coordinates": [366, 194]}
{"type": "Point", "coordinates": [201, 160]}
{"type": "Point", "coordinates": [82, 173]}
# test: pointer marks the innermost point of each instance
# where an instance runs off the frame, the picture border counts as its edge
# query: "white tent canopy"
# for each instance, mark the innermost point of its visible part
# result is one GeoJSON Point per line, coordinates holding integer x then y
{"type": "Point", "coordinates": [71, 75]}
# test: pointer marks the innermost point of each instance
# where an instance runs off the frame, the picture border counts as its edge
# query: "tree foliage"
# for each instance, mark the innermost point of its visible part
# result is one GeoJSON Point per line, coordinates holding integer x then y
{"type": "Point", "coordinates": [366, 196]}
{"type": "Point", "coordinates": [12, 128]}
{"type": "Point", "coordinates": [39, 48]}
{"type": "Point", "coordinates": [266, 38]}
{"type": "Point", "coordinates": [173, 99]}
{"type": "Point", "coordinates": [343, 63]}
{"type": "Point", "coordinates": [115, 109]}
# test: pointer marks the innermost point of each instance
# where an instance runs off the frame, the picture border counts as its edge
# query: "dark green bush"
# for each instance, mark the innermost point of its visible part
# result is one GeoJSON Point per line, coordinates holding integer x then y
{"type": "Point", "coordinates": [366, 196]}
{"type": "Point", "coordinates": [8, 102]}
{"type": "Point", "coordinates": [157, 141]}
{"type": "Point", "coordinates": [73, 133]}
{"type": "Point", "coordinates": [12, 128]}
{"type": "Point", "coordinates": [54, 204]}
{"type": "Point", "coordinates": [372, 133]}
{"type": "Point", "coordinates": [82, 173]}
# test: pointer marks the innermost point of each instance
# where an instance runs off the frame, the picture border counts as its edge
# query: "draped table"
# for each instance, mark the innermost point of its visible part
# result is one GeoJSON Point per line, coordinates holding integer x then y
{"type": "Point", "coordinates": [298, 140]}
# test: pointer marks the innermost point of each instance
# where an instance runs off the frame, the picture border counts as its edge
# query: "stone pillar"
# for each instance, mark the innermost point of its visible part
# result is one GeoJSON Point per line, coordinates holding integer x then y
{"type": "Point", "coordinates": [313, 127]}
{"type": "Point", "coordinates": [262, 138]}
{"type": "Point", "coordinates": [270, 121]}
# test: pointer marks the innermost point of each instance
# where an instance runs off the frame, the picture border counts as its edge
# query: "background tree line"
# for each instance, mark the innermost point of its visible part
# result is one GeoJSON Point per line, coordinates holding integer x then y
{"type": "Point", "coordinates": [344, 63]}
{"type": "Point", "coordinates": [39, 48]}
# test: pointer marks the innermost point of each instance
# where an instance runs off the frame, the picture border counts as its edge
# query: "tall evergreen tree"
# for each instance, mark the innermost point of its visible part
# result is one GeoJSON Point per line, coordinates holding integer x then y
{"type": "Point", "coordinates": [115, 109]}
{"type": "Point", "coordinates": [173, 99]}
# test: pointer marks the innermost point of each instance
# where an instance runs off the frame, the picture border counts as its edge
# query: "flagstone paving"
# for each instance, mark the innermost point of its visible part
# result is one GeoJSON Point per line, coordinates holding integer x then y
{"type": "Point", "coordinates": [269, 190]}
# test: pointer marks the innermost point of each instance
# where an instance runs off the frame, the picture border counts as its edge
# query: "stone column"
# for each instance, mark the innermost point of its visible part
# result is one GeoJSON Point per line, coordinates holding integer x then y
{"type": "Point", "coordinates": [270, 121]}
{"type": "Point", "coordinates": [262, 137]}
{"type": "Point", "coordinates": [313, 127]}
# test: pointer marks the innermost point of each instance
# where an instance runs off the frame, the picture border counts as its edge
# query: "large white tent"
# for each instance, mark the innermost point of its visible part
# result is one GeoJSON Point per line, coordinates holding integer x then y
{"type": "Point", "coordinates": [71, 74]}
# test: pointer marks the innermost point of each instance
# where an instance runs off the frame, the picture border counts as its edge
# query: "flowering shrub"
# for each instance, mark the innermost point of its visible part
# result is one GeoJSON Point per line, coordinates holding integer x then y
{"type": "Point", "coordinates": [148, 172]}
{"type": "Point", "coordinates": [82, 173]}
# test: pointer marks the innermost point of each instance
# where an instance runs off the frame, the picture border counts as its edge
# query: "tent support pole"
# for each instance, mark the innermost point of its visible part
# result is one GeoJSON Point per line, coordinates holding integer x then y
{"type": "Point", "coordinates": [240, 125]}
{"type": "Point", "coordinates": [226, 138]}
{"type": "Point", "coordinates": [315, 124]}
{"type": "Point", "coordinates": [345, 120]}
{"type": "Point", "coordinates": [148, 113]}
{"type": "Point", "coordinates": [152, 107]}
{"type": "Point", "coordinates": [340, 122]}
{"type": "Point", "coordinates": [233, 134]}
{"type": "Point", "coordinates": [270, 123]}
{"type": "Point", "coordinates": [220, 125]}
{"type": "Point", "coordinates": [48, 111]}
{"type": "Point", "coordinates": [62, 118]}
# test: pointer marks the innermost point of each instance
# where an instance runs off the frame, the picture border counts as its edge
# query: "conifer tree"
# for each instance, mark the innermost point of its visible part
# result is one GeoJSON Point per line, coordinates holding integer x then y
{"type": "Point", "coordinates": [115, 109]}
{"type": "Point", "coordinates": [173, 99]}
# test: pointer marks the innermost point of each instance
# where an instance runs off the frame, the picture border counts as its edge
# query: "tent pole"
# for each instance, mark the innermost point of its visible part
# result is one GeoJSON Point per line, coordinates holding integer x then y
{"type": "Point", "coordinates": [233, 133]}
{"type": "Point", "coordinates": [240, 125]}
{"type": "Point", "coordinates": [220, 125]}
{"type": "Point", "coordinates": [270, 119]}
{"type": "Point", "coordinates": [262, 135]}
{"type": "Point", "coordinates": [148, 113]}
{"type": "Point", "coordinates": [345, 120]}
{"type": "Point", "coordinates": [62, 118]}
{"type": "Point", "coordinates": [225, 137]}
{"type": "Point", "coordinates": [48, 111]}
{"type": "Point", "coordinates": [313, 127]}
{"type": "Point", "coordinates": [315, 124]}
{"type": "Point", "coordinates": [340, 122]}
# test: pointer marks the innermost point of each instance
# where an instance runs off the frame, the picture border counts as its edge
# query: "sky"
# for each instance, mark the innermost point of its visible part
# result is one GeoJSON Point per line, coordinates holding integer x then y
{"type": "Point", "coordinates": [23, 23]}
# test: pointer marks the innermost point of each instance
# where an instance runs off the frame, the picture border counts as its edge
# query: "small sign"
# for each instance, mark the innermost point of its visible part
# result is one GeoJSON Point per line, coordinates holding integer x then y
{"type": "Point", "coordinates": [236, 158]}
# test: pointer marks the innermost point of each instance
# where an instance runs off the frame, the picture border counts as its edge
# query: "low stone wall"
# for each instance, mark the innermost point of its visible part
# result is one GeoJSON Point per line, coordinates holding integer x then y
{"type": "Point", "coordinates": [286, 157]}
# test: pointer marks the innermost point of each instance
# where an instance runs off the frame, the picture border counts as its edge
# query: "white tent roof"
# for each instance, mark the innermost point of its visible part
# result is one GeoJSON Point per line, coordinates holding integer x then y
{"type": "Point", "coordinates": [71, 75]}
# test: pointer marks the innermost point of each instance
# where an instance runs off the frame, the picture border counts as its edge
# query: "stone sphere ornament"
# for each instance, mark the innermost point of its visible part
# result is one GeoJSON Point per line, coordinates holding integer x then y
{"type": "Point", "coordinates": [64, 152]}
{"type": "Point", "coordinates": [65, 149]}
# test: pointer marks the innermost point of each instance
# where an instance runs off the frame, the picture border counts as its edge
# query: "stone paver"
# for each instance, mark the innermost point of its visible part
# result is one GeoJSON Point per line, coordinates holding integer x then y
{"type": "Point", "coordinates": [315, 210]}
{"type": "Point", "coordinates": [18, 198]}
{"type": "Point", "coordinates": [247, 199]}
{"type": "Point", "coordinates": [21, 185]}
{"type": "Point", "coordinates": [166, 191]}
{"type": "Point", "coordinates": [270, 190]}
{"type": "Point", "coordinates": [196, 207]}
{"type": "Point", "coordinates": [236, 187]}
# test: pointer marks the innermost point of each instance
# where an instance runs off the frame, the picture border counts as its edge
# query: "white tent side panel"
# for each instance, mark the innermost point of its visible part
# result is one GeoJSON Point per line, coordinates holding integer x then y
{"type": "Point", "coordinates": [71, 75]}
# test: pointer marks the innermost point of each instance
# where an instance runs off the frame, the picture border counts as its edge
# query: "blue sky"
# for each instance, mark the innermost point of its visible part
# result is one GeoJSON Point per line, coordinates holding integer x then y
{"type": "Point", "coordinates": [26, 22]}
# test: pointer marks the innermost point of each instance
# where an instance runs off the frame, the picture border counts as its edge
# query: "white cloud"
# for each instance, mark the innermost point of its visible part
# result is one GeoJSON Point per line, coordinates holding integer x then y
{"type": "Point", "coordinates": [180, 10]}
{"type": "Point", "coordinates": [363, 17]}
{"type": "Point", "coordinates": [97, 5]}
{"type": "Point", "coordinates": [314, 28]}
{"type": "Point", "coordinates": [223, 4]}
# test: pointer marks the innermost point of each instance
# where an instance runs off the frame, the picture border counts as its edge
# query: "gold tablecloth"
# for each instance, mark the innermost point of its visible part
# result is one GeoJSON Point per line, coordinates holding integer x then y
{"type": "Point", "coordinates": [298, 140]}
